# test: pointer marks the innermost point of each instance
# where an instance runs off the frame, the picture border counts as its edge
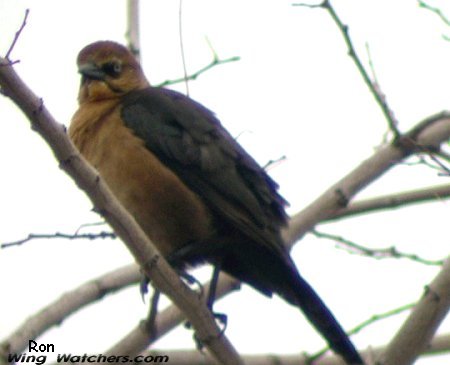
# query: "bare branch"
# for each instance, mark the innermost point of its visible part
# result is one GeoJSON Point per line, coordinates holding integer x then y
{"type": "Point", "coordinates": [430, 132]}
{"type": "Point", "coordinates": [419, 328]}
{"type": "Point", "coordinates": [380, 317]}
{"type": "Point", "coordinates": [323, 4]}
{"type": "Point", "coordinates": [374, 87]}
{"type": "Point", "coordinates": [213, 63]}
{"type": "Point", "coordinates": [185, 357]}
{"type": "Point", "coordinates": [180, 36]}
{"type": "Point", "coordinates": [435, 10]}
{"type": "Point", "coordinates": [16, 37]}
{"type": "Point", "coordinates": [94, 224]}
{"type": "Point", "coordinates": [152, 263]}
{"type": "Point", "coordinates": [274, 163]}
{"type": "Point", "coordinates": [378, 253]}
{"type": "Point", "coordinates": [444, 170]}
{"type": "Point", "coordinates": [434, 193]}
{"type": "Point", "coordinates": [69, 303]}
{"type": "Point", "coordinates": [33, 236]}
{"type": "Point", "coordinates": [133, 33]}
{"type": "Point", "coordinates": [373, 319]}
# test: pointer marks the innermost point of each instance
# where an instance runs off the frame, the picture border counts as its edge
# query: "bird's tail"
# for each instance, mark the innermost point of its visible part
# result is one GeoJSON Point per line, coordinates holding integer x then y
{"type": "Point", "coordinates": [302, 295]}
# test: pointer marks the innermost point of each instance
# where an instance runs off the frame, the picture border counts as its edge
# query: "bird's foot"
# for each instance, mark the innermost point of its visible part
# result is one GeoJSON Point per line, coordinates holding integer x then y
{"type": "Point", "coordinates": [222, 322]}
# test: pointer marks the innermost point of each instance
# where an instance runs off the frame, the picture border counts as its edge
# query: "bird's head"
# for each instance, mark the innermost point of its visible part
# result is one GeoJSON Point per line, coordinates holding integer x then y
{"type": "Point", "coordinates": [108, 70]}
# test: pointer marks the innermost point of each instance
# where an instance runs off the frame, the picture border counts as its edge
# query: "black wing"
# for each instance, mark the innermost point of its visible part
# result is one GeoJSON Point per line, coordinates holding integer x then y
{"type": "Point", "coordinates": [190, 140]}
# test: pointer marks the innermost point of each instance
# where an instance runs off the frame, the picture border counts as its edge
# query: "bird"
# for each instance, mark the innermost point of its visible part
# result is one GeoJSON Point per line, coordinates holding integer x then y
{"type": "Point", "coordinates": [192, 188]}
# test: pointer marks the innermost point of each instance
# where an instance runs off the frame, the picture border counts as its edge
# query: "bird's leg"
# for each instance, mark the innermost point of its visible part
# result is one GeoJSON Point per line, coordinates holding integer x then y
{"type": "Point", "coordinates": [211, 296]}
{"type": "Point", "coordinates": [221, 317]}
{"type": "Point", "coordinates": [213, 287]}
{"type": "Point", "coordinates": [153, 311]}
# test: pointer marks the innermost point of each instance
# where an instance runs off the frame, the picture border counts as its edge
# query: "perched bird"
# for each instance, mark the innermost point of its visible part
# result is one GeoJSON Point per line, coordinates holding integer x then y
{"type": "Point", "coordinates": [197, 194]}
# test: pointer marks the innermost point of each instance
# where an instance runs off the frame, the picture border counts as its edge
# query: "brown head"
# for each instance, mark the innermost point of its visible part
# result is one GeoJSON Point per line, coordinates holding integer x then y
{"type": "Point", "coordinates": [109, 70]}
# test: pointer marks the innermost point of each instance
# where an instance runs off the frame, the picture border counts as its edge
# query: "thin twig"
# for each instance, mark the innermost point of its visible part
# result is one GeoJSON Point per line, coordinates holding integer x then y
{"type": "Point", "coordinates": [34, 236]}
{"type": "Point", "coordinates": [88, 225]}
{"type": "Point", "coordinates": [213, 63]}
{"type": "Point", "coordinates": [273, 163]}
{"type": "Point", "coordinates": [368, 322]}
{"type": "Point", "coordinates": [445, 171]}
{"type": "Point", "coordinates": [180, 35]}
{"type": "Point", "coordinates": [439, 13]}
{"type": "Point", "coordinates": [133, 30]}
{"type": "Point", "coordinates": [373, 86]}
{"type": "Point", "coordinates": [379, 253]}
{"type": "Point", "coordinates": [435, 10]}
{"type": "Point", "coordinates": [434, 164]}
{"type": "Point", "coordinates": [380, 98]}
{"type": "Point", "coordinates": [380, 316]}
{"type": "Point", "coordinates": [311, 6]}
{"type": "Point", "coordinates": [17, 35]}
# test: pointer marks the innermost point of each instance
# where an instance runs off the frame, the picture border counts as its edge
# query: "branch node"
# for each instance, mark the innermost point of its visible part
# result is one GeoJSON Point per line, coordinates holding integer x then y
{"type": "Point", "coordinates": [428, 291]}
{"type": "Point", "coordinates": [151, 263]}
{"type": "Point", "coordinates": [342, 200]}
{"type": "Point", "coordinates": [39, 108]}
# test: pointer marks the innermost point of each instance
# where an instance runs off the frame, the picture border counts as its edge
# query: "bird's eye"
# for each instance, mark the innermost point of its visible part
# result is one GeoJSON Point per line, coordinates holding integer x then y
{"type": "Point", "coordinates": [112, 69]}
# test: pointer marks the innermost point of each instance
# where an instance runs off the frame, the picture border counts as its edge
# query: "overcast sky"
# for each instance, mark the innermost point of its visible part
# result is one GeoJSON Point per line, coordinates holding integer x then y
{"type": "Point", "coordinates": [295, 92]}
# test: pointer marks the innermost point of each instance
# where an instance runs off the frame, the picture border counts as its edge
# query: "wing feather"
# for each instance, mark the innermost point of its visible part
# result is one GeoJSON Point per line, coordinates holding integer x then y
{"type": "Point", "coordinates": [190, 140]}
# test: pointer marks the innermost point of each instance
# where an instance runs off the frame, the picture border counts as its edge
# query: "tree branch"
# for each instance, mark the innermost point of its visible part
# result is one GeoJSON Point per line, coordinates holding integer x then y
{"type": "Point", "coordinates": [213, 63]}
{"type": "Point", "coordinates": [374, 87]}
{"type": "Point", "coordinates": [185, 357]}
{"type": "Point", "coordinates": [56, 312]}
{"type": "Point", "coordinates": [426, 135]}
{"type": "Point", "coordinates": [391, 201]}
{"type": "Point", "coordinates": [16, 37]}
{"type": "Point", "coordinates": [152, 263]}
{"type": "Point", "coordinates": [377, 253]}
{"type": "Point", "coordinates": [33, 236]}
{"type": "Point", "coordinates": [134, 43]}
{"type": "Point", "coordinates": [419, 328]}
{"type": "Point", "coordinates": [435, 10]}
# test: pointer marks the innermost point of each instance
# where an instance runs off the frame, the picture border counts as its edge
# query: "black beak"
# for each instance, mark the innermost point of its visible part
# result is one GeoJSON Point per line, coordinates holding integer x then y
{"type": "Point", "coordinates": [91, 71]}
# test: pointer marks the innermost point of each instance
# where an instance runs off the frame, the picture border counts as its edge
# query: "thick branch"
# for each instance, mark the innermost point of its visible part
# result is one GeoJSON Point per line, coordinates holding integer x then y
{"type": "Point", "coordinates": [438, 345]}
{"type": "Point", "coordinates": [418, 330]}
{"type": "Point", "coordinates": [427, 135]}
{"type": "Point", "coordinates": [152, 263]}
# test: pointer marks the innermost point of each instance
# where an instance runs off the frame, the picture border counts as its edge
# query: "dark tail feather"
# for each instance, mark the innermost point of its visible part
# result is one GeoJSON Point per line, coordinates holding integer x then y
{"type": "Point", "coordinates": [302, 295]}
{"type": "Point", "coordinates": [271, 271]}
